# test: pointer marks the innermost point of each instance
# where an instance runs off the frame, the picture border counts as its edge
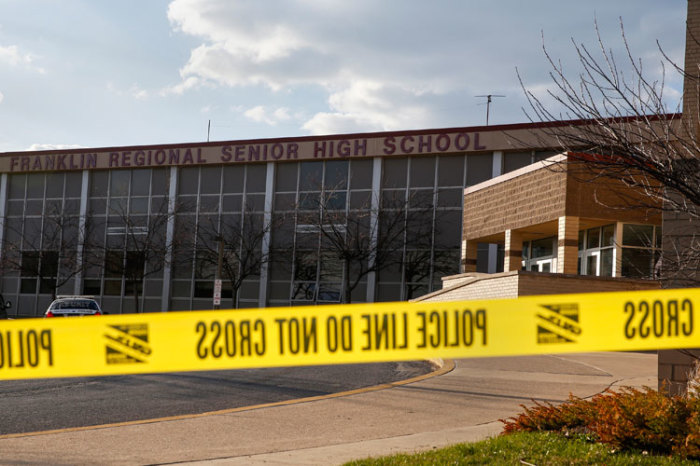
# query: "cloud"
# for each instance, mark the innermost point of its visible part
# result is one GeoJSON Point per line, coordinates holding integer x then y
{"type": "Point", "coordinates": [261, 114]}
{"type": "Point", "coordinates": [12, 56]}
{"type": "Point", "coordinates": [374, 106]}
{"type": "Point", "coordinates": [134, 91]}
{"type": "Point", "coordinates": [180, 88]}
{"type": "Point", "coordinates": [39, 146]}
{"type": "Point", "coordinates": [386, 65]}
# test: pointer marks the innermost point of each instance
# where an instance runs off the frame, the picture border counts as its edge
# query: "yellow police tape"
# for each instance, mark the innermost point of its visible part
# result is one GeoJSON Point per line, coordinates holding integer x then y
{"type": "Point", "coordinates": [356, 333]}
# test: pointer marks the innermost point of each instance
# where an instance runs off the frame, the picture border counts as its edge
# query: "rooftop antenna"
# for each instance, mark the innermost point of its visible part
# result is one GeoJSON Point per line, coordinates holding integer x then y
{"type": "Point", "coordinates": [488, 104]}
{"type": "Point", "coordinates": [209, 129]}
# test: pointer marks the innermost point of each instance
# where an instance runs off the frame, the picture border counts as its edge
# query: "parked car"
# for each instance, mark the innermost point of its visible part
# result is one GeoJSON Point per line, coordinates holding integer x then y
{"type": "Point", "coordinates": [72, 306]}
{"type": "Point", "coordinates": [4, 306]}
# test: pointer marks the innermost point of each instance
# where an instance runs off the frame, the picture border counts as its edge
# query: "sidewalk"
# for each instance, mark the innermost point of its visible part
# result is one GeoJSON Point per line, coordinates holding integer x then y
{"type": "Point", "coordinates": [464, 404]}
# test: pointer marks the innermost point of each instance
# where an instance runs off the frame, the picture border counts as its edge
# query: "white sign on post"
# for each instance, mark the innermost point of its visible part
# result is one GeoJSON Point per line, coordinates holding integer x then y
{"type": "Point", "coordinates": [217, 292]}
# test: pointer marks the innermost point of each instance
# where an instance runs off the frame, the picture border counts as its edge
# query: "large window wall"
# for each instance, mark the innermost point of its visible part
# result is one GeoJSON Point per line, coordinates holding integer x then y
{"type": "Point", "coordinates": [641, 251]}
{"type": "Point", "coordinates": [596, 255]}
{"type": "Point", "coordinates": [309, 196]}
{"type": "Point", "coordinates": [143, 239]}
{"type": "Point", "coordinates": [612, 250]}
{"type": "Point", "coordinates": [125, 238]}
{"type": "Point", "coordinates": [431, 188]}
{"type": "Point", "coordinates": [215, 203]}
{"type": "Point", "coordinates": [40, 236]}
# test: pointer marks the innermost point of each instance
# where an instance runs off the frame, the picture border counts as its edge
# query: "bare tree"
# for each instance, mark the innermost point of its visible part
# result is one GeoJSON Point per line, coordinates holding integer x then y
{"type": "Point", "coordinates": [422, 264]}
{"type": "Point", "coordinates": [46, 250]}
{"type": "Point", "coordinates": [233, 246]}
{"type": "Point", "coordinates": [356, 242]}
{"type": "Point", "coordinates": [615, 122]}
{"type": "Point", "coordinates": [136, 247]}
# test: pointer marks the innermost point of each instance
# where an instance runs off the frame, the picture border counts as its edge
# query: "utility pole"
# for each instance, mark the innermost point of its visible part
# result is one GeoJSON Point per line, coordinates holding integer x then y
{"type": "Point", "coordinates": [488, 104]}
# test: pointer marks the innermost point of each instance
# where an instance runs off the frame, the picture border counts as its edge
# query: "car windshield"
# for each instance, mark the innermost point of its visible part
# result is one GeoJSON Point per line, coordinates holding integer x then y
{"type": "Point", "coordinates": [75, 304]}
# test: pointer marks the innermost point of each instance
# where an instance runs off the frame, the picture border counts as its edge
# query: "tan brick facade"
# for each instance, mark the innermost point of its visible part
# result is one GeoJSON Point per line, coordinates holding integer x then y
{"type": "Point", "coordinates": [692, 59]}
{"type": "Point", "coordinates": [556, 201]}
{"type": "Point", "coordinates": [532, 198]}
{"type": "Point", "coordinates": [542, 194]}
{"type": "Point", "coordinates": [681, 231]}
{"type": "Point", "coordinates": [513, 251]}
{"type": "Point", "coordinates": [513, 284]}
{"type": "Point", "coordinates": [674, 367]}
{"type": "Point", "coordinates": [567, 246]}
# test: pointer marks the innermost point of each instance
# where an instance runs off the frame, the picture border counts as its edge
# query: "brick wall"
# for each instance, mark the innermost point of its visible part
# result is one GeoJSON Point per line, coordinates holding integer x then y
{"type": "Point", "coordinates": [679, 230]}
{"type": "Point", "coordinates": [589, 196]}
{"type": "Point", "coordinates": [535, 197]}
{"type": "Point", "coordinates": [481, 286]}
{"type": "Point", "coordinates": [681, 237]}
{"type": "Point", "coordinates": [692, 58]}
{"type": "Point", "coordinates": [532, 283]}
{"type": "Point", "coordinates": [518, 283]}
{"type": "Point", "coordinates": [546, 194]}
{"type": "Point", "coordinates": [674, 367]}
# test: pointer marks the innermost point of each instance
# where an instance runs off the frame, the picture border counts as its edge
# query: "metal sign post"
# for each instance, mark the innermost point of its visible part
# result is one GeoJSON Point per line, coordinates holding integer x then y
{"type": "Point", "coordinates": [217, 293]}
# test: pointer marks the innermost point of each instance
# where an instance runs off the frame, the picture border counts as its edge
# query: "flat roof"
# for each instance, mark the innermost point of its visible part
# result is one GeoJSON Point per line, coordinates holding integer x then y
{"type": "Point", "coordinates": [440, 141]}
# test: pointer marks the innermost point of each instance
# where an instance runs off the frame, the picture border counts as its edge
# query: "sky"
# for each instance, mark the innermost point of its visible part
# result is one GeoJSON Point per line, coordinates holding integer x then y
{"type": "Point", "coordinates": [104, 73]}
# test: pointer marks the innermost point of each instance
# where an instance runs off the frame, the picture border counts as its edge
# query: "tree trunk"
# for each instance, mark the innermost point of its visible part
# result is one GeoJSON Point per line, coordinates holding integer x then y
{"type": "Point", "coordinates": [136, 297]}
{"type": "Point", "coordinates": [347, 292]}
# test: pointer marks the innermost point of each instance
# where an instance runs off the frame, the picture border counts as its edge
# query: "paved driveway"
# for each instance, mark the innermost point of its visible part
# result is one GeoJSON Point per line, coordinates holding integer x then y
{"type": "Point", "coordinates": [462, 404]}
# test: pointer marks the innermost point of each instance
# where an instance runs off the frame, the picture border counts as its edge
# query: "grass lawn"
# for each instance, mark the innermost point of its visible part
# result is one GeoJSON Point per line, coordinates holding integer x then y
{"type": "Point", "coordinates": [526, 449]}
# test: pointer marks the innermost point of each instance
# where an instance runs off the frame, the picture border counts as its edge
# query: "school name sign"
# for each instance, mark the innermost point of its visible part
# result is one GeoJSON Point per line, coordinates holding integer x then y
{"type": "Point", "coordinates": [247, 151]}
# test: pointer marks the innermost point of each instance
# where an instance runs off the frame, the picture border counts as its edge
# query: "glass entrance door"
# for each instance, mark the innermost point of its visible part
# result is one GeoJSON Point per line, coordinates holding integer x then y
{"type": "Point", "coordinates": [593, 263]}
{"type": "Point", "coordinates": [545, 265]}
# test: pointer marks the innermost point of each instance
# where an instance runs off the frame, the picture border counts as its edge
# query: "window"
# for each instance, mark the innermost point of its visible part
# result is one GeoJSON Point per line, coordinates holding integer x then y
{"type": "Point", "coordinates": [361, 174]}
{"type": "Point", "coordinates": [423, 172]}
{"type": "Point", "coordinates": [38, 268]}
{"type": "Point", "coordinates": [479, 168]}
{"type": "Point", "coordinates": [451, 171]}
{"type": "Point", "coordinates": [394, 173]}
{"type": "Point", "coordinates": [514, 160]}
{"type": "Point", "coordinates": [540, 255]}
{"type": "Point", "coordinates": [597, 251]}
{"type": "Point", "coordinates": [638, 235]}
{"type": "Point", "coordinates": [640, 250]}
{"type": "Point", "coordinates": [29, 271]}
{"type": "Point", "coordinates": [286, 177]}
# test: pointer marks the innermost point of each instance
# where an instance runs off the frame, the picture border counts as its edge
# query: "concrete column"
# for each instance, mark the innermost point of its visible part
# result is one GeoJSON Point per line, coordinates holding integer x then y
{"type": "Point", "coordinates": [169, 237]}
{"type": "Point", "coordinates": [513, 252]}
{"type": "Point", "coordinates": [82, 231]}
{"type": "Point", "coordinates": [3, 203]}
{"type": "Point", "coordinates": [265, 267]}
{"type": "Point", "coordinates": [374, 225]}
{"type": "Point", "coordinates": [567, 245]}
{"type": "Point", "coordinates": [469, 252]}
